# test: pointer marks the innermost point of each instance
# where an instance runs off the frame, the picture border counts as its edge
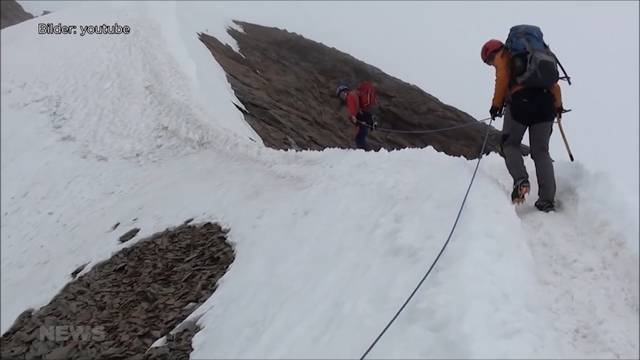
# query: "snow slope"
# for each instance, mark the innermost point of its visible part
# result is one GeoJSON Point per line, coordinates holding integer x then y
{"type": "Point", "coordinates": [141, 130]}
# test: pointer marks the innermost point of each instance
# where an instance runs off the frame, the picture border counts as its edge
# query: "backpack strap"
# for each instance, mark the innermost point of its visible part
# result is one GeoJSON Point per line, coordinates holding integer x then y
{"type": "Point", "coordinates": [565, 77]}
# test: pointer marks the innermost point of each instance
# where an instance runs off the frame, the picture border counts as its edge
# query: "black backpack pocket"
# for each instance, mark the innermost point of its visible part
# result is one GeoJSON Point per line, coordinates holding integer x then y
{"type": "Point", "coordinates": [532, 105]}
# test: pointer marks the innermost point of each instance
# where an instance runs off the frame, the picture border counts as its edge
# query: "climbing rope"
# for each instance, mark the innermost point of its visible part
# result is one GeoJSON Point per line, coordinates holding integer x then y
{"type": "Point", "coordinates": [455, 223]}
{"type": "Point", "coordinates": [424, 131]}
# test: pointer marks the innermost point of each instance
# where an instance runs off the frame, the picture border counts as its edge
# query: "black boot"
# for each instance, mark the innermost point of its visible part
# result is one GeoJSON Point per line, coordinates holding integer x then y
{"type": "Point", "coordinates": [545, 206]}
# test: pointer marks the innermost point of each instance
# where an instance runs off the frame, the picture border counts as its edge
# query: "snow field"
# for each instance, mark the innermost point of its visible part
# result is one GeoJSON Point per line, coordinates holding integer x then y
{"type": "Point", "coordinates": [328, 244]}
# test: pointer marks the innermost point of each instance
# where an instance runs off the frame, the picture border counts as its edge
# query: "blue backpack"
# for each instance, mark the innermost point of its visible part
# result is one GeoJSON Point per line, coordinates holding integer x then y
{"type": "Point", "coordinates": [534, 64]}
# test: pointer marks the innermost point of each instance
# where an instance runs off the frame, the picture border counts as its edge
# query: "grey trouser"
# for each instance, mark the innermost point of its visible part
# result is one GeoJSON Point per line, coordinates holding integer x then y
{"type": "Point", "coordinates": [539, 135]}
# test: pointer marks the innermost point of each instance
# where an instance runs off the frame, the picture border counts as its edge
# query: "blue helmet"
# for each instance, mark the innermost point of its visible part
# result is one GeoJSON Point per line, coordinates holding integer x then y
{"type": "Point", "coordinates": [341, 88]}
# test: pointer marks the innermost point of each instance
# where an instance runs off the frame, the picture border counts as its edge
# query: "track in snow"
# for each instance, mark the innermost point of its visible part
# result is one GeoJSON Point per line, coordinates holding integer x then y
{"type": "Point", "coordinates": [591, 279]}
{"type": "Point", "coordinates": [586, 265]}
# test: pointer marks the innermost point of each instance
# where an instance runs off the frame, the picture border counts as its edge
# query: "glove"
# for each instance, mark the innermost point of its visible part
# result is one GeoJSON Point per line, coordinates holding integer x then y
{"type": "Point", "coordinates": [495, 112]}
{"type": "Point", "coordinates": [559, 111]}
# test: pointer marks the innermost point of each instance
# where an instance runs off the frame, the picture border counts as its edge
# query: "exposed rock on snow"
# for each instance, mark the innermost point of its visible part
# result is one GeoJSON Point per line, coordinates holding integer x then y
{"type": "Point", "coordinates": [129, 235]}
{"type": "Point", "coordinates": [177, 347]}
{"type": "Point", "coordinates": [123, 305]}
{"type": "Point", "coordinates": [12, 13]}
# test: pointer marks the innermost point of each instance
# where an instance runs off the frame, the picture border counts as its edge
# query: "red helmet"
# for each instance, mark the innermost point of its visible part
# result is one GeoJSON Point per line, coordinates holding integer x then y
{"type": "Point", "coordinates": [489, 48]}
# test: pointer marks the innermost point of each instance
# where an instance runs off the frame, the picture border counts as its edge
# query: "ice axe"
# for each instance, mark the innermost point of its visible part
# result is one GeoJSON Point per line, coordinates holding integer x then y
{"type": "Point", "coordinates": [564, 137]}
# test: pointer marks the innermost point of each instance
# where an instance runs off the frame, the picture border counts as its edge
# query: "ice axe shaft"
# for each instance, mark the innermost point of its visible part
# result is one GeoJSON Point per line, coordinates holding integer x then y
{"type": "Point", "coordinates": [564, 137]}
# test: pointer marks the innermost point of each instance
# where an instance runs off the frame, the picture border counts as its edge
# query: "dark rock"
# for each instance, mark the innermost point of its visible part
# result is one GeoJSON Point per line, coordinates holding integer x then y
{"type": "Point", "coordinates": [12, 13]}
{"type": "Point", "coordinates": [11, 350]}
{"type": "Point", "coordinates": [157, 352]}
{"type": "Point", "coordinates": [60, 353]}
{"type": "Point", "coordinates": [78, 270]}
{"type": "Point", "coordinates": [129, 235]}
{"type": "Point", "coordinates": [119, 267]}
{"type": "Point", "coordinates": [126, 303]}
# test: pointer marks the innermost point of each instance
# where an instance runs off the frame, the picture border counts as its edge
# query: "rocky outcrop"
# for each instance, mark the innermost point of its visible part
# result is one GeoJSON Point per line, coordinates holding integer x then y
{"type": "Point", "coordinates": [12, 13]}
{"type": "Point", "coordinates": [287, 83]}
{"type": "Point", "coordinates": [120, 307]}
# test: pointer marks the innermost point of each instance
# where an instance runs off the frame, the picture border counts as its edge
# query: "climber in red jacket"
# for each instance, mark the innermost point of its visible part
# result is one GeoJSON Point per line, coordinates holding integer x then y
{"type": "Point", "coordinates": [360, 103]}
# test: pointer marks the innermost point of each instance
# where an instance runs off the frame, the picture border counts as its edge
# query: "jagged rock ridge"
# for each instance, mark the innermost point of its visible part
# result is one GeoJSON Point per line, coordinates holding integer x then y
{"type": "Point", "coordinates": [12, 13]}
{"type": "Point", "coordinates": [287, 82]}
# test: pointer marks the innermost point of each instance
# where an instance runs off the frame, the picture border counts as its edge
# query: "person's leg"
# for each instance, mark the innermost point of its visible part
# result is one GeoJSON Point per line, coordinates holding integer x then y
{"type": "Point", "coordinates": [361, 137]}
{"type": "Point", "coordinates": [363, 130]}
{"type": "Point", "coordinates": [539, 135]}
{"type": "Point", "coordinates": [511, 147]}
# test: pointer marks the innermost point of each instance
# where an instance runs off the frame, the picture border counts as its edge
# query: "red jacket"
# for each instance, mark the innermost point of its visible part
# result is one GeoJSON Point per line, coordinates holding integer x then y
{"type": "Point", "coordinates": [353, 103]}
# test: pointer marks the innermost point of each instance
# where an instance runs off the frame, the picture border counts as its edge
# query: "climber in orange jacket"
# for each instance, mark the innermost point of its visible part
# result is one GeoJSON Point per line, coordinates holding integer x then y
{"type": "Point", "coordinates": [525, 108]}
{"type": "Point", "coordinates": [499, 57]}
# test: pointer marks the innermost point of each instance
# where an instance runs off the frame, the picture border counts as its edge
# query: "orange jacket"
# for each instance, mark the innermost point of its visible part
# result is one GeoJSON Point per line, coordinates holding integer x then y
{"type": "Point", "coordinates": [502, 63]}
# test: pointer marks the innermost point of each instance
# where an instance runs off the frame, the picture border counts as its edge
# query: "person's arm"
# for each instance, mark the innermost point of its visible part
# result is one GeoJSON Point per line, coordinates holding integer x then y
{"type": "Point", "coordinates": [352, 107]}
{"type": "Point", "coordinates": [557, 95]}
{"type": "Point", "coordinates": [501, 63]}
{"type": "Point", "coordinates": [557, 100]}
